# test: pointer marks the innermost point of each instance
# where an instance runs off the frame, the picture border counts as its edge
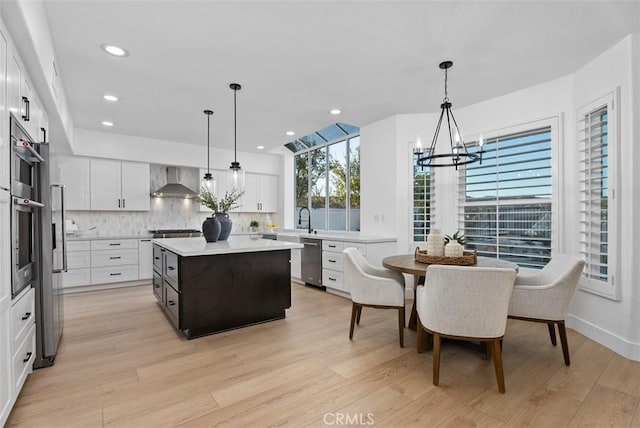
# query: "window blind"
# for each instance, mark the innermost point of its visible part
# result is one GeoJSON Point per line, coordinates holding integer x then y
{"type": "Point", "coordinates": [597, 196]}
{"type": "Point", "coordinates": [424, 208]}
{"type": "Point", "coordinates": [505, 201]}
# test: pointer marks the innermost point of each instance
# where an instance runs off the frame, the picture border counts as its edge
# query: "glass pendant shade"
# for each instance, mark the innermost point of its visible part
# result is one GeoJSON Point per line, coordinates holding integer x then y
{"type": "Point", "coordinates": [235, 178]}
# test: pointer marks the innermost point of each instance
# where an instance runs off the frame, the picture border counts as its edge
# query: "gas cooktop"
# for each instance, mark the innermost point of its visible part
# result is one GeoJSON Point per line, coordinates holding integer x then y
{"type": "Point", "coordinates": [175, 233]}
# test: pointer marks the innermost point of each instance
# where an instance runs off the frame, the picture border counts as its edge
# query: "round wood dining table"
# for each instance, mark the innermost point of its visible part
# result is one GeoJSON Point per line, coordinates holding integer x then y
{"type": "Point", "coordinates": [406, 263]}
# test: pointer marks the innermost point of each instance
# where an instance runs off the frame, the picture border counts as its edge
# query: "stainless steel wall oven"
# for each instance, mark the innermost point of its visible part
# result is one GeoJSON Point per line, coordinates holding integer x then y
{"type": "Point", "coordinates": [24, 210]}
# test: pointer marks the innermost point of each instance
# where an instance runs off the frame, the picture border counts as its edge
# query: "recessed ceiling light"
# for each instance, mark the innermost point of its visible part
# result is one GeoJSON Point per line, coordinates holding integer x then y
{"type": "Point", "coordinates": [114, 50]}
{"type": "Point", "coordinates": [290, 133]}
{"type": "Point", "coordinates": [110, 97]}
{"type": "Point", "coordinates": [107, 123]}
{"type": "Point", "coordinates": [335, 111]}
{"type": "Point", "coordinates": [260, 147]}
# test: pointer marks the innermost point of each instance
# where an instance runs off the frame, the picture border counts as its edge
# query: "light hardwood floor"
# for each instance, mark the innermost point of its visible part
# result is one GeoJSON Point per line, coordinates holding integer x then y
{"type": "Point", "coordinates": [122, 364]}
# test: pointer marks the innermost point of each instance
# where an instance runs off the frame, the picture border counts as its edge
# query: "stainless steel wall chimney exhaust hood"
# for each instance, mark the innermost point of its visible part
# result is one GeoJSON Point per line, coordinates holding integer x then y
{"type": "Point", "coordinates": [173, 188]}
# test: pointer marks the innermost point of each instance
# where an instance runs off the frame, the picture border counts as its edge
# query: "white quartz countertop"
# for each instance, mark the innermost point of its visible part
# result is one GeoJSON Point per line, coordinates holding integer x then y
{"type": "Point", "coordinates": [71, 237]}
{"type": "Point", "coordinates": [235, 244]}
{"type": "Point", "coordinates": [337, 236]}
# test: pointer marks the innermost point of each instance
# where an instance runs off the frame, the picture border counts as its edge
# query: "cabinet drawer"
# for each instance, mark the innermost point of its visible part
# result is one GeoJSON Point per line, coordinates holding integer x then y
{"type": "Point", "coordinates": [108, 274]}
{"type": "Point", "coordinates": [157, 258]}
{"type": "Point", "coordinates": [23, 359]}
{"type": "Point", "coordinates": [357, 245]}
{"type": "Point", "coordinates": [114, 258]}
{"type": "Point", "coordinates": [332, 279]}
{"type": "Point", "coordinates": [172, 304]}
{"type": "Point", "coordinates": [157, 286]}
{"type": "Point", "coordinates": [114, 244]}
{"type": "Point", "coordinates": [79, 260]}
{"type": "Point", "coordinates": [171, 268]}
{"type": "Point", "coordinates": [331, 260]}
{"type": "Point", "coordinates": [22, 318]}
{"type": "Point", "coordinates": [76, 277]}
{"type": "Point", "coordinates": [332, 245]}
{"type": "Point", "coordinates": [78, 246]}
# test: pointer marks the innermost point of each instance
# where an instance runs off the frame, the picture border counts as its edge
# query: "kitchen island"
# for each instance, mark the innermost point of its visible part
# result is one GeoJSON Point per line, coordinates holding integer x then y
{"type": "Point", "coordinates": [206, 288]}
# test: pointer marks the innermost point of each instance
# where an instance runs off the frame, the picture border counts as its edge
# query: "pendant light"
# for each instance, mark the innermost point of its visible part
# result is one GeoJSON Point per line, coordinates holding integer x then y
{"type": "Point", "coordinates": [235, 175]}
{"type": "Point", "coordinates": [208, 181]}
{"type": "Point", "coordinates": [457, 154]}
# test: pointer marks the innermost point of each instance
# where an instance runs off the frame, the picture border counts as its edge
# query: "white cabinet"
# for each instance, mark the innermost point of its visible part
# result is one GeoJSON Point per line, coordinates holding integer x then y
{"type": "Point", "coordinates": [145, 259]}
{"type": "Point", "coordinates": [22, 337]}
{"type": "Point", "coordinates": [6, 390]}
{"type": "Point", "coordinates": [261, 194]}
{"type": "Point", "coordinates": [4, 118]}
{"type": "Point", "coordinates": [14, 79]}
{"type": "Point", "coordinates": [75, 173]}
{"type": "Point", "coordinates": [119, 185]}
{"type": "Point", "coordinates": [114, 261]}
{"type": "Point", "coordinates": [78, 264]}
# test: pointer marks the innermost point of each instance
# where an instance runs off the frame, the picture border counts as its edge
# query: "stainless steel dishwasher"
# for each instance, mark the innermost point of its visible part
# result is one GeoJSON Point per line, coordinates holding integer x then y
{"type": "Point", "coordinates": [312, 261]}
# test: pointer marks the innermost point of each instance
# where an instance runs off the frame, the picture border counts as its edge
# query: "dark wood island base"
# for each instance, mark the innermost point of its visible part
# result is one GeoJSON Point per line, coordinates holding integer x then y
{"type": "Point", "coordinates": [206, 294]}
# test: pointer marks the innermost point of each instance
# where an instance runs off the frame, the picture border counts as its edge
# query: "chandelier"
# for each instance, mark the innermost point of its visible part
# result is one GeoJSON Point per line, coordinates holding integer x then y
{"type": "Point", "coordinates": [457, 154]}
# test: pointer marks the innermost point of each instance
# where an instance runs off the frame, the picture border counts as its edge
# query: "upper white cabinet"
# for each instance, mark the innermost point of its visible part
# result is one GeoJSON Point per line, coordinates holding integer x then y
{"type": "Point", "coordinates": [75, 174]}
{"type": "Point", "coordinates": [261, 193]}
{"type": "Point", "coordinates": [14, 77]}
{"type": "Point", "coordinates": [4, 117]}
{"type": "Point", "coordinates": [119, 185]}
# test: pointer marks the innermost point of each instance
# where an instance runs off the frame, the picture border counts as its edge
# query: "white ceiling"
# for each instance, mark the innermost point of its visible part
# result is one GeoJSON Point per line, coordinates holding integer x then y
{"type": "Point", "coordinates": [296, 60]}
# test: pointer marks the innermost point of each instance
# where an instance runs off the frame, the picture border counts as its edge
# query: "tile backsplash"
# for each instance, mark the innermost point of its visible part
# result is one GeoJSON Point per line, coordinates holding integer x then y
{"type": "Point", "coordinates": [165, 213]}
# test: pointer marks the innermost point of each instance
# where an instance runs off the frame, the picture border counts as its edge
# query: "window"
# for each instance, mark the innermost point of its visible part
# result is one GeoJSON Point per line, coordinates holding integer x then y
{"type": "Point", "coordinates": [328, 182]}
{"type": "Point", "coordinates": [423, 201]}
{"type": "Point", "coordinates": [505, 201]}
{"type": "Point", "coordinates": [597, 193]}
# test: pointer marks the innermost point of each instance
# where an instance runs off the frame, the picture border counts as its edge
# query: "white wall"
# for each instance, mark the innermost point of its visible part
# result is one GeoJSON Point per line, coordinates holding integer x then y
{"type": "Point", "coordinates": [386, 175]}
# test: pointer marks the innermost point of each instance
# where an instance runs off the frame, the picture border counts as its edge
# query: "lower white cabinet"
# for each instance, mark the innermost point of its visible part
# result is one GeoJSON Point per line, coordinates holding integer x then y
{"type": "Point", "coordinates": [6, 366]}
{"type": "Point", "coordinates": [107, 261]}
{"type": "Point", "coordinates": [333, 260]}
{"type": "Point", "coordinates": [22, 338]}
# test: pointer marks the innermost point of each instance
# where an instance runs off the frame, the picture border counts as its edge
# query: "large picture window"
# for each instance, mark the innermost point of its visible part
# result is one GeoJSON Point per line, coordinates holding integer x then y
{"type": "Point", "coordinates": [505, 201]}
{"type": "Point", "coordinates": [328, 183]}
{"type": "Point", "coordinates": [596, 138]}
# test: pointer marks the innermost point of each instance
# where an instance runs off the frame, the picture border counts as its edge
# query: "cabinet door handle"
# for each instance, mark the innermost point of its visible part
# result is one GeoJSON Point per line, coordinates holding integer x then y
{"type": "Point", "coordinates": [25, 116]}
{"type": "Point", "coordinates": [331, 261]}
{"type": "Point", "coordinates": [171, 268]}
{"type": "Point", "coordinates": [119, 203]}
{"type": "Point", "coordinates": [26, 316]}
{"type": "Point", "coordinates": [145, 240]}
{"type": "Point", "coordinates": [115, 245]}
{"type": "Point", "coordinates": [171, 303]}
{"type": "Point", "coordinates": [156, 285]}
{"type": "Point", "coordinates": [115, 257]}
{"type": "Point", "coordinates": [123, 201]}
{"type": "Point", "coordinates": [331, 246]}
{"type": "Point", "coordinates": [156, 258]}
{"type": "Point", "coordinates": [44, 135]}
{"type": "Point", "coordinates": [115, 274]}
{"type": "Point", "coordinates": [27, 357]}
{"type": "Point", "coordinates": [331, 279]}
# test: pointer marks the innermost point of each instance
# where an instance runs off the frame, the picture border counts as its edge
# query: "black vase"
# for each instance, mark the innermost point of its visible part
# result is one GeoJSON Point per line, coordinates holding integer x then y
{"type": "Point", "coordinates": [225, 225]}
{"type": "Point", "coordinates": [211, 229]}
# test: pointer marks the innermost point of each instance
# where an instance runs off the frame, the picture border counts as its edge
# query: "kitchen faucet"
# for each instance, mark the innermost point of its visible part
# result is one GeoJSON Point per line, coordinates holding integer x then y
{"type": "Point", "coordinates": [309, 217]}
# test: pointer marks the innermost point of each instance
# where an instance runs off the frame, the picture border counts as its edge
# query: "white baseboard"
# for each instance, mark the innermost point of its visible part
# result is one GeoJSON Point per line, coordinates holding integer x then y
{"type": "Point", "coordinates": [619, 345]}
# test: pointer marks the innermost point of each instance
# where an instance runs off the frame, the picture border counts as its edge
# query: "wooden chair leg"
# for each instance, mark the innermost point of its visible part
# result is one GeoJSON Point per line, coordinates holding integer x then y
{"type": "Point", "coordinates": [354, 310]}
{"type": "Point", "coordinates": [419, 336]}
{"type": "Point", "coordinates": [358, 315]}
{"type": "Point", "coordinates": [552, 333]}
{"type": "Point", "coordinates": [496, 353]}
{"type": "Point", "coordinates": [563, 341]}
{"type": "Point", "coordinates": [401, 325]}
{"type": "Point", "coordinates": [436, 359]}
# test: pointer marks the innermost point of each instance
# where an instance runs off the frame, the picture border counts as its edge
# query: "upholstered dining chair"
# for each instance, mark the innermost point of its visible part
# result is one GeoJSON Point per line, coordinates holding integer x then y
{"type": "Point", "coordinates": [372, 287]}
{"type": "Point", "coordinates": [465, 303]}
{"type": "Point", "coordinates": [545, 296]}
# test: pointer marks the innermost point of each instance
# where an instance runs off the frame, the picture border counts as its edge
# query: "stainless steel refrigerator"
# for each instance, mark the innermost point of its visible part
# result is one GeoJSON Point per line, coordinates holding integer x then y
{"type": "Point", "coordinates": [52, 260]}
